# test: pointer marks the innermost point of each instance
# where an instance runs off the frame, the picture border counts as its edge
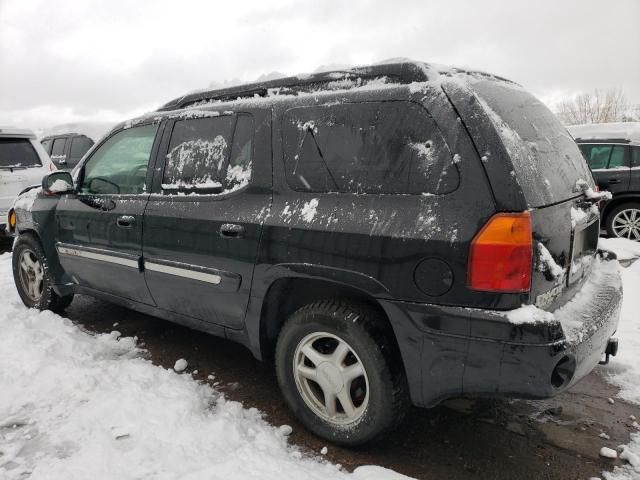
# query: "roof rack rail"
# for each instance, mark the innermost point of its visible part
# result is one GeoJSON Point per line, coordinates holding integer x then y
{"type": "Point", "coordinates": [403, 73]}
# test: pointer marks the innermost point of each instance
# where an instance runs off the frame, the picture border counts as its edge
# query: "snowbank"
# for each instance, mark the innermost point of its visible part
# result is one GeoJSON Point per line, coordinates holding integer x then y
{"type": "Point", "coordinates": [78, 406]}
{"type": "Point", "coordinates": [624, 369]}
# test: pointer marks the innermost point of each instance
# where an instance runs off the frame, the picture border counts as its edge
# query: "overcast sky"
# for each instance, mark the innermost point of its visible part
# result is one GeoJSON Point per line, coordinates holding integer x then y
{"type": "Point", "coordinates": [109, 60]}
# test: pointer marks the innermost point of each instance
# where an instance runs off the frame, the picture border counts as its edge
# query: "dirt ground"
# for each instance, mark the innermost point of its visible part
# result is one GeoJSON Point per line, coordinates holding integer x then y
{"type": "Point", "coordinates": [461, 439]}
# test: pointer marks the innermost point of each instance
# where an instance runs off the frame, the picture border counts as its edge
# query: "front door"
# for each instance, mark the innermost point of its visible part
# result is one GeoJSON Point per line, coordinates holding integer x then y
{"type": "Point", "coordinates": [202, 226]}
{"type": "Point", "coordinates": [100, 226]}
{"type": "Point", "coordinates": [609, 164]}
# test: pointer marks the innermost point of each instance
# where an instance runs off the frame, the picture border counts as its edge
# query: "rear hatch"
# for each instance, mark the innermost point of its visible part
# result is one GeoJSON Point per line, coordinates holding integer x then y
{"type": "Point", "coordinates": [533, 164]}
{"type": "Point", "coordinates": [20, 167]}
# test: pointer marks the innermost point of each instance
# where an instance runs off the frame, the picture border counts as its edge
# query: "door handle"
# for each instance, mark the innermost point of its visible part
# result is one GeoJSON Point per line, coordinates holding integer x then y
{"type": "Point", "coordinates": [231, 230]}
{"type": "Point", "coordinates": [125, 221]}
{"type": "Point", "coordinates": [614, 180]}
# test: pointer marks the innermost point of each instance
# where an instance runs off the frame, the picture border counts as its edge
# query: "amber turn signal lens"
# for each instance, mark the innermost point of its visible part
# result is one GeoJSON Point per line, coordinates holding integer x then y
{"type": "Point", "coordinates": [500, 257]}
{"type": "Point", "coordinates": [12, 219]}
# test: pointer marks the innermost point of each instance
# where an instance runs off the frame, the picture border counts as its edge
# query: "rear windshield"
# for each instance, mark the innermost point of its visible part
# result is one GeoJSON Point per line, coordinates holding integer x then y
{"type": "Point", "coordinates": [18, 153]}
{"type": "Point", "coordinates": [546, 160]}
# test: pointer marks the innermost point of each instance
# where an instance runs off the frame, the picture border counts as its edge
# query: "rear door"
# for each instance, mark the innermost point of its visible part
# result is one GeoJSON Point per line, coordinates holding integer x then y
{"type": "Point", "coordinates": [99, 237]}
{"type": "Point", "coordinates": [609, 164]}
{"type": "Point", "coordinates": [202, 226]}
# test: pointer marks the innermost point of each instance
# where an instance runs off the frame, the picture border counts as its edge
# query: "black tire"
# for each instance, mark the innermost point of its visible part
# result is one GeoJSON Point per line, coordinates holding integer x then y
{"type": "Point", "coordinates": [611, 215]}
{"type": "Point", "coordinates": [370, 339]}
{"type": "Point", "coordinates": [46, 299]}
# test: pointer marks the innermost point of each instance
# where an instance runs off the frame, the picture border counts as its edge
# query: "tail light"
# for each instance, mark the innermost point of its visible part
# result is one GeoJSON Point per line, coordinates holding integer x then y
{"type": "Point", "coordinates": [500, 256]}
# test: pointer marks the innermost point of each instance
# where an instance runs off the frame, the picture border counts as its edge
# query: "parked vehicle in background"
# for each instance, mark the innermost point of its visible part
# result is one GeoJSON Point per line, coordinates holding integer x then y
{"type": "Point", "coordinates": [67, 149]}
{"type": "Point", "coordinates": [23, 162]}
{"type": "Point", "coordinates": [612, 151]}
{"type": "Point", "coordinates": [375, 230]}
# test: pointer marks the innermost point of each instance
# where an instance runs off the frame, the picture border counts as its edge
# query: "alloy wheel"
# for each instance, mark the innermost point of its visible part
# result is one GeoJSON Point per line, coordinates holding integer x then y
{"type": "Point", "coordinates": [626, 224]}
{"type": "Point", "coordinates": [330, 378]}
{"type": "Point", "coordinates": [31, 275]}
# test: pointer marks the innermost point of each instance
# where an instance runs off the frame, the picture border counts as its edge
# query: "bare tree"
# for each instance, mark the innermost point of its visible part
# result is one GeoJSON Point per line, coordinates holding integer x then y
{"type": "Point", "coordinates": [597, 107]}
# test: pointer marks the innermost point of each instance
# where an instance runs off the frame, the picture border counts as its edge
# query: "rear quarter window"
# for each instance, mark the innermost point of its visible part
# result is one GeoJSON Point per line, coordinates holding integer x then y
{"type": "Point", "coordinates": [390, 147]}
{"type": "Point", "coordinates": [58, 147]}
{"type": "Point", "coordinates": [18, 153]}
{"type": "Point", "coordinates": [80, 146]}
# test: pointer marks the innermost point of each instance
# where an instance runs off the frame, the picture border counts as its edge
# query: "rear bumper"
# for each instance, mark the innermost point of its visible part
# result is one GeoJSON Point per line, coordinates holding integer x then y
{"type": "Point", "coordinates": [454, 351]}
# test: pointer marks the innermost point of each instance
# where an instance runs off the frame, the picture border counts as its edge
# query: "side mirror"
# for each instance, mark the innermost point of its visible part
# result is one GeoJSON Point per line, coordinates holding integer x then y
{"type": "Point", "coordinates": [57, 182]}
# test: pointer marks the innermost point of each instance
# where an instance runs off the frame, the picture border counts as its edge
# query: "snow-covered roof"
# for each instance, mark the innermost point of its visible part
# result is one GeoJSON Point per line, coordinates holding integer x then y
{"type": "Point", "coordinates": [16, 132]}
{"type": "Point", "coordinates": [629, 131]}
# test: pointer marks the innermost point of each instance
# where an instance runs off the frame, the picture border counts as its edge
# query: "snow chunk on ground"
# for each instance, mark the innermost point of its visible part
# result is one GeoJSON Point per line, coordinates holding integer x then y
{"type": "Point", "coordinates": [608, 453]}
{"type": "Point", "coordinates": [180, 365]}
{"type": "Point", "coordinates": [89, 406]}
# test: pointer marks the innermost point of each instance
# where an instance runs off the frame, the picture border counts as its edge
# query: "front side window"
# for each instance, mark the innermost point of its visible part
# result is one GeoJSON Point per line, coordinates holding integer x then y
{"type": "Point", "coordinates": [371, 147]}
{"type": "Point", "coordinates": [210, 155]}
{"type": "Point", "coordinates": [119, 166]}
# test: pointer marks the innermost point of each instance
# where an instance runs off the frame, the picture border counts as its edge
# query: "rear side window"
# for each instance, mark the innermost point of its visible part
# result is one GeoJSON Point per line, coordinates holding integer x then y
{"type": "Point", "coordinates": [58, 147]}
{"type": "Point", "coordinates": [209, 155]}
{"type": "Point", "coordinates": [371, 147]}
{"type": "Point", "coordinates": [600, 157]}
{"type": "Point", "coordinates": [635, 156]}
{"type": "Point", "coordinates": [17, 153]}
{"type": "Point", "coordinates": [80, 146]}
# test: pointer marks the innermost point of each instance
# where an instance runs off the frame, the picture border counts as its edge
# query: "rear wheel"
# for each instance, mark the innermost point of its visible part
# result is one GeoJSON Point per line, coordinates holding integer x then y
{"type": "Point", "coordinates": [31, 276]}
{"type": "Point", "coordinates": [340, 372]}
{"type": "Point", "coordinates": [623, 221]}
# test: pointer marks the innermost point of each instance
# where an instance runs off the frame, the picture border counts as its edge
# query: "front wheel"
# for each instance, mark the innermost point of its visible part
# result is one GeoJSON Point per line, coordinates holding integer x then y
{"type": "Point", "coordinates": [623, 221]}
{"type": "Point", "coordinates": [31, 276]}
{"type": "Point", "coordinates": [340, 372]}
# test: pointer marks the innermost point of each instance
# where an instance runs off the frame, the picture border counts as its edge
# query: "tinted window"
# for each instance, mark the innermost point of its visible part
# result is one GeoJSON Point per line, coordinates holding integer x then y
{"type": "Point", "coordinates": [601, 157]}
{"type": "Point", "coordinates": [80, 146]}
{"type": "Point", "coordinates": [58, 146]}
{"type": "Point", "coordinates": [17, 152]}
{"type": "Point", "coordinates": [209, 155]}
{"type": "Point", "coordinates": [616, 159]}
{"type": "Point", "coordinates": [46, 144]}
{"type": "Point", "coordinates": [635, 156]}
{"type": "Point", "coordinates": [373, 147]}
{"type": "Point", "coordinates": [120, 164]}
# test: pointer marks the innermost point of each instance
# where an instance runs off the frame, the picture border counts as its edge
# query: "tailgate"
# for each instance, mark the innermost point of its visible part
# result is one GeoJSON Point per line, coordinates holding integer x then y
{"type": "Point", "coordinates": [533, 164]}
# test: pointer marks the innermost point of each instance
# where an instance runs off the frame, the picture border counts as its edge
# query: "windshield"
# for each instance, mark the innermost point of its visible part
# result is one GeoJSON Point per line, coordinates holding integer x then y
{"type": "Point", "coordinates": [546, 160]}
{"type": "Point", "coordinates": [18, 153]}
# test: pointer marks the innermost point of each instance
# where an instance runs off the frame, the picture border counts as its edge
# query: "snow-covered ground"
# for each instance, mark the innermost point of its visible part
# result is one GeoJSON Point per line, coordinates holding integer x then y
{"type": "Point", "coordinates": [74, 405]}
{"type": "Point", "coordinates": [624, 369]}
